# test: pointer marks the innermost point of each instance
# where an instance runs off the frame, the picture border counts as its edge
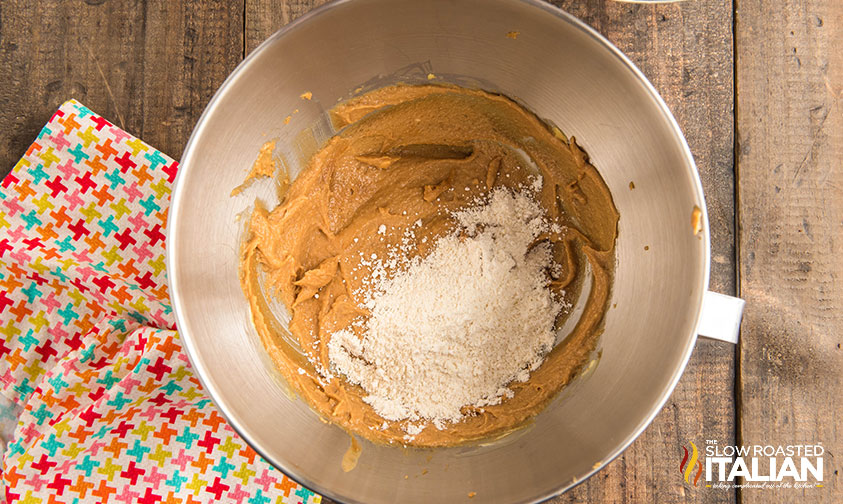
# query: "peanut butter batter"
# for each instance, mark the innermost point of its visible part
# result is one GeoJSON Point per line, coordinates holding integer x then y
{"type": "Point", "coordinates": [404, 154]}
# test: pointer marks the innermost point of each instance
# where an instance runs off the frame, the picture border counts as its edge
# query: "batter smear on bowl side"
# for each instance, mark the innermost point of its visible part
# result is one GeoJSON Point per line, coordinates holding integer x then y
{"type": "Point", "coordinates": [428, 255]}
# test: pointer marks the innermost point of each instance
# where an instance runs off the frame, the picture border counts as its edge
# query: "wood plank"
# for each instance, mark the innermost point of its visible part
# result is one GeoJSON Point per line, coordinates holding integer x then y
{"type": "Point", "coordinates": [149, 67]}
{"type": "Point", "coordinates": [685, 49]}
{"type": "Point", "coordinates": [264, 17]}
{"type": "Point", "coordinates": [790, 146]}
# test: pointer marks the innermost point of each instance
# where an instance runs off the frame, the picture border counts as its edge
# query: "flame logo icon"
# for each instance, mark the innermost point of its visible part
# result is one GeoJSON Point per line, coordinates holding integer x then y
{"type": "Point", "coordinates": [686, 466]}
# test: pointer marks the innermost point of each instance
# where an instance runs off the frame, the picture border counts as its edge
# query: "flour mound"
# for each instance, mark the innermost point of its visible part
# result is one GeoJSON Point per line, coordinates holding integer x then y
{"type": "Point", "coordinates": [448, 332]}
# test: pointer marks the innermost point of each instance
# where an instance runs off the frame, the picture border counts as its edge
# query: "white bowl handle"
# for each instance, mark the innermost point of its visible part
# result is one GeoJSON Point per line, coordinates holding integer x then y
{"type": "Point", "coordinates": [721, 317]}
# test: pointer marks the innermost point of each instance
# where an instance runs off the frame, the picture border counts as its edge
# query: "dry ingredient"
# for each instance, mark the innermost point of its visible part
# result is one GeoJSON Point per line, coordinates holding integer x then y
{"type": "Point", "coordinates": [432, 352]}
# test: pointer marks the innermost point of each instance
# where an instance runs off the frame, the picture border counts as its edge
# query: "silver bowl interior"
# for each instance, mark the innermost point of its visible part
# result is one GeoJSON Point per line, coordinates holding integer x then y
{"type": "Point", "coordinates": [567, 74]}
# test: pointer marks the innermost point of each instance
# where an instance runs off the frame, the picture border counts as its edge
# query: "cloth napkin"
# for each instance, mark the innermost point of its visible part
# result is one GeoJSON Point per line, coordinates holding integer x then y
{"type": "Point", "coordinates": [99, 402]}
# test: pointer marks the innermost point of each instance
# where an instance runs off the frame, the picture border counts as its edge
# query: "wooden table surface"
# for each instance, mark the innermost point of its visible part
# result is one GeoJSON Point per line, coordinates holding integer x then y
{"type": "Point", "coordinates": [755, 85]}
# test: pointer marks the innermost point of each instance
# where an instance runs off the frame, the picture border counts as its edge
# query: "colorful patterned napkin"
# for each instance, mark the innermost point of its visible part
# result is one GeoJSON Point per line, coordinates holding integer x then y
{"type": "Point", "coordinates": [99, 402]}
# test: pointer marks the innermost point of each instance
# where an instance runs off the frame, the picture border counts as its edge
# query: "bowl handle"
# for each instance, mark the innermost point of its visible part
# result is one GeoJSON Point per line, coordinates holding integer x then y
{"type": "Point", "coordinates": [721, 317]}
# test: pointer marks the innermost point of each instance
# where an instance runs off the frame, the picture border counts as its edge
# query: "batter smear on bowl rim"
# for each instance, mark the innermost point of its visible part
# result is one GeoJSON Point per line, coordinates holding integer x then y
{"type": "Point", "coordinates": [428, 255]}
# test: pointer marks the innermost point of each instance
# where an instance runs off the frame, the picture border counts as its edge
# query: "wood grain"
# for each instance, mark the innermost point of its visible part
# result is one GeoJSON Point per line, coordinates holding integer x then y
{"type": "Point", "coordinates": [150, 67]}
{"type": "Point", "coordinates": [790, 146]}
{"type": "Point", "coordinates": [264, 17]}
{"type": "Point", "coordinates": [685, 49]}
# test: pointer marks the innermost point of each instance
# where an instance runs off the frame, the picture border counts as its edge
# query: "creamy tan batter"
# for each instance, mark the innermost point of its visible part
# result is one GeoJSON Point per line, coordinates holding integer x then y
{"type": "Point", "coordinates": [407, 153]}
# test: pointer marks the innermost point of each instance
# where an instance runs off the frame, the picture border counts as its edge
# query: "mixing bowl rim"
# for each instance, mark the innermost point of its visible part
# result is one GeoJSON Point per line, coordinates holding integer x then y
{"type": "Point", "coordinates": [189, 155]}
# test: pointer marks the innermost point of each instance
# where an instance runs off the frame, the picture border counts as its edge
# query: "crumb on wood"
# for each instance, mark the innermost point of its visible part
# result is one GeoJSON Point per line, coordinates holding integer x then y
{"type": "Point", "coordinates": [696, 220]}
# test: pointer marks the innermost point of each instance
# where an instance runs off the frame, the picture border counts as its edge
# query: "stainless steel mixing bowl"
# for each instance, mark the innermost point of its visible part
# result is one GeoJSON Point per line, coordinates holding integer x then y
{"type": "Point", "coordinates": [569, 75]}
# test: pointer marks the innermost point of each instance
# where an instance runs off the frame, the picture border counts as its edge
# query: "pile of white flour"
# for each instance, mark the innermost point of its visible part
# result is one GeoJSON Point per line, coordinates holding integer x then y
{"type": "Point", "coordinates": [454, 328]}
